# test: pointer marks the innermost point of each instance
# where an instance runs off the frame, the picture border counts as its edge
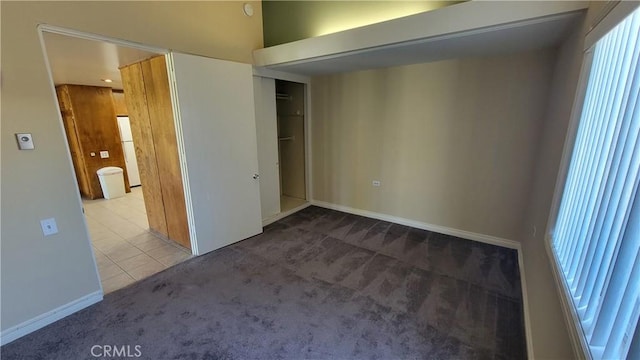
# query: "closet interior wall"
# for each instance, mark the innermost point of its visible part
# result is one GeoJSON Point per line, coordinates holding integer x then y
{"type": "Point", "coordinates": [291, 113]}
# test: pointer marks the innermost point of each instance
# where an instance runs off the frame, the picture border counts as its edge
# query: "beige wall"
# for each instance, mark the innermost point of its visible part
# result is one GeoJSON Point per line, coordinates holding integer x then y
{"type": "Point", "coordinates": [453, 142]}
{"type": "Point", "coordinates": [40, 274]}
{"type": "Point", "coordinates": [551, 339]}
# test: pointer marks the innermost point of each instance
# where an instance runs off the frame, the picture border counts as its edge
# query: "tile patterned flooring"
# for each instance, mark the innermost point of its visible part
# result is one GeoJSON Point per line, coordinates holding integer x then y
{"type": "Point", "coordinates": [126, 251]}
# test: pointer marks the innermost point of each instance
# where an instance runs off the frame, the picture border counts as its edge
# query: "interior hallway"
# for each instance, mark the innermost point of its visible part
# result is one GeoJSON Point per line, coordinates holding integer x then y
{"type": "Point", "coordinates": [126, 251]}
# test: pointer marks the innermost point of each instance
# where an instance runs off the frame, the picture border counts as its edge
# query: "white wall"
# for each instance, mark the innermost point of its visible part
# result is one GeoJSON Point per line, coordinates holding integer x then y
{"type": "Point", "coordinates": [454, 142]}
{"type": "Point", "coordinates": [39, 274]}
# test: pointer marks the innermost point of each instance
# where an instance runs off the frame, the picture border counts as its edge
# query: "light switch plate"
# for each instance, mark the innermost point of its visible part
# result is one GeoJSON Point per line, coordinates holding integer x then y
{"type": "Point", "coordinates": [49, 226]}
{"type": "Point", "coordinates": [104, 154]}
{"type": "Point", "coordinates": [25, 141]}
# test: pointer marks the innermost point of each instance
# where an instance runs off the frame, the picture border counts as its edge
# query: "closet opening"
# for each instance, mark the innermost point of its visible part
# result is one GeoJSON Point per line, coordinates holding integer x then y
{"type": "Point", "coordinates": [290, 111]}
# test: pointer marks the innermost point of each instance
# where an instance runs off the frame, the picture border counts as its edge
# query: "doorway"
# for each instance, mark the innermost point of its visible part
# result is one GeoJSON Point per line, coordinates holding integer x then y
{"type": "Point", "coordinates": [290, 111]}
{"type": "Point", "coordinates": [92, 99]}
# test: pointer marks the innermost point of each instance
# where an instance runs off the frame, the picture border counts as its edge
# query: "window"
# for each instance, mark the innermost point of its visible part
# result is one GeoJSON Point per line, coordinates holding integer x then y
{"type": "Point", "coordinates": [596, 240]}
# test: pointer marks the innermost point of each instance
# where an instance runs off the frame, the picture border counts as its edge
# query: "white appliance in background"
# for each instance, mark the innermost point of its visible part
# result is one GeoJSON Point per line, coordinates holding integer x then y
{"type": "Point", "coordinates": [129, 150]}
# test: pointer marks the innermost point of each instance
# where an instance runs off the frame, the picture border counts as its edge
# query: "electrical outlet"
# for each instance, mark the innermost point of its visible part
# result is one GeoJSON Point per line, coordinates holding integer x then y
{"type": "Point", "coordinates": [104, 154]}
{"type": "Point", "coordinates": [376, 183]}
{"type": "Point", "coordinates": [49, 226]}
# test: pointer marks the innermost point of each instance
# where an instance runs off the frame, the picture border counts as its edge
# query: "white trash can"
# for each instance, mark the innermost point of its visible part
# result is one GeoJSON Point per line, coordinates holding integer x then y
{"type": "Point", "coordinates": [111, 182]}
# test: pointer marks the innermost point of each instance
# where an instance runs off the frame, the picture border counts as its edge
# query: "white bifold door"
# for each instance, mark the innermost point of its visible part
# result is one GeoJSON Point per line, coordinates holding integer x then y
{"type": "Point", "coordinates": [216, 123]}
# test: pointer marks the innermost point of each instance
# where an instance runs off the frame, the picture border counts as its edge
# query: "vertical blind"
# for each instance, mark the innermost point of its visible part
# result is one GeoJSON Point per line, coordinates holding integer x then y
{"type": "Point", "coordinates": [596, 240]}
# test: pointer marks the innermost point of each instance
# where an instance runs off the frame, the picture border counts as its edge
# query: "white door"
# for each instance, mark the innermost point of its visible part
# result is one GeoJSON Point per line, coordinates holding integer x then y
{"type": "Point", "coordinates": [217, 120]}
{"type": "Point", "coordinates": [124, 126]}
{"type": "Point", "coordinates": [131, 162]}
{"type": "Point", "coordinates": [129, 150]}
{"type": "Point", "coordinates": [267, 134]}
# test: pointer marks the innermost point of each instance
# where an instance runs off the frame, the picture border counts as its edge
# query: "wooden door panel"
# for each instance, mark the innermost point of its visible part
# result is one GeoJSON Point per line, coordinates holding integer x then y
{"type": "Point", "coordinates": [133, 83]}
{"type": "Point", "coordinates": [74, 143]}
{"type": "Point", "coordinates": [96, 129]}
{"type": "Point", "coordinates": [156, 83]}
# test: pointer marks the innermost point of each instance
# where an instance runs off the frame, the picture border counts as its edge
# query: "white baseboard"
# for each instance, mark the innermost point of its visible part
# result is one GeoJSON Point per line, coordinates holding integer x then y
{"type": "Point", "coordinates": [49, 317]}
{"type": "Point", "coordinates": [284, 214]}
{"type": "Point", "coordinates": [493, 240]}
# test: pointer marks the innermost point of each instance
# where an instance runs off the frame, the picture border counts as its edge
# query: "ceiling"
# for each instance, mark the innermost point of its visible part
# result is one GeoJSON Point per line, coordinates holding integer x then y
{"type": "Point", "coordinates": [86, 62]}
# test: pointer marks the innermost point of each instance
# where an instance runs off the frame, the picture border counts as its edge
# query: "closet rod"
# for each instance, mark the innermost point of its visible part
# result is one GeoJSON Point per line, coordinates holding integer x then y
{"type": "Point", "coordinates": [287, 138]}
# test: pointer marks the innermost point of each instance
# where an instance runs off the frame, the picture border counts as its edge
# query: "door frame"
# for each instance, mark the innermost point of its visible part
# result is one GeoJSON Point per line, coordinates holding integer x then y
{"type": "Point", "coordinates": [42, 28]}
{"type": "Point", "coordinates": [308, 151]}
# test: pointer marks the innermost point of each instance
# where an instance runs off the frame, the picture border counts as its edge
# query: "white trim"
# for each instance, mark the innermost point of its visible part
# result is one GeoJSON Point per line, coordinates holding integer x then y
{"type": "Point", "coordinates": [578, 339]}
{"type": "Point", "coordinates": [89, 36]}
{"type": "Point", "coordinates": [186, 187]}
{"type": "Point", "coordinates": [570, 138]}
{"type": "Point", "coordinates": [616, 15]}
{"type": "Point", "coordinates": [280, 75]}
{"type": "Point", "coordinates": [488, 239]}
{"type": "Point", "coordinates": [525, 306]}
{"type": "Point", "coordinates": [49, 317]}
{"type": "Point", "coordinates": [580, 348]}
{"type": "Point", "coordinates": [284, 214]}
{"type": "Point", "coordinates": [307, 141]}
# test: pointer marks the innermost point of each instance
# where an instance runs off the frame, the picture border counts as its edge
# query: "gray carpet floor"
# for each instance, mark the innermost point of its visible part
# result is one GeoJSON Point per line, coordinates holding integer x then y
{"type": "Point", "coordinates": [319, 284]}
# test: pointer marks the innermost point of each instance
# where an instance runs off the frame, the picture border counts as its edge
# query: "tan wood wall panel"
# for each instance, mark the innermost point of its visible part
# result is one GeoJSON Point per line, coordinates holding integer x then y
{"type": "Point", "coordinates": [72, 138]}
{"type": "Point", "coordinates": [96, 130]}
{"type": "Point", "coordinates": [120, 104]}
{"type": "Point", "coordinates": [156, 82]}
{"type": "Point", "coordinates": [133, 83]}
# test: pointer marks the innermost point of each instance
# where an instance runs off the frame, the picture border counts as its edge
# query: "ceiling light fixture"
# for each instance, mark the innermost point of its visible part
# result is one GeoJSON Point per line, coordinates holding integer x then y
{"type": "Point", "coordinates": [107, 80]}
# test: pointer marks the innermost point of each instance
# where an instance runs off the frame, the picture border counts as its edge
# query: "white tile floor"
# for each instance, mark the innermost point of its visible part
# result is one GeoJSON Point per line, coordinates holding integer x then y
{"type": "Point", "coordinates": [125, 249]}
